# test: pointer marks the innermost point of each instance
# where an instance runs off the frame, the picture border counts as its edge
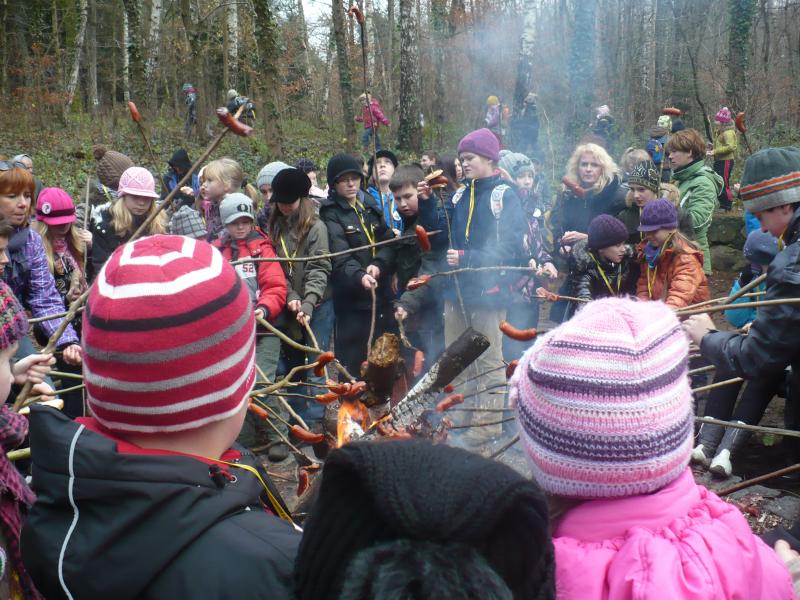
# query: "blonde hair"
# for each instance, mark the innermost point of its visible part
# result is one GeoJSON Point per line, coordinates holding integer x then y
{"type": "Point", "coordinates": [74, 242]}
{"type": "Point", "coordinates": [122, 218]}
{"type": "Point", "coordinates": [226, 170]}
{"type": "Point", "coordinates": [665, 190]}
{"type": "Point", "coordinates": [631, 157]}
{"type": "Point", "coordinates": [609, 167]}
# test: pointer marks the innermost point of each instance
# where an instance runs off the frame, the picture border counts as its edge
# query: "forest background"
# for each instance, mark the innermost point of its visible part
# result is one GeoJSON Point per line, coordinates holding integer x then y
{"type": "Point", "coordinates": [68, 67]}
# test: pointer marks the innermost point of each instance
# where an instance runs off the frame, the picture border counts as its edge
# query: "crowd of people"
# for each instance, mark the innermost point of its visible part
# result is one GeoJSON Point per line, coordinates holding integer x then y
{"type": "Point", "coordinates": [150, 487]}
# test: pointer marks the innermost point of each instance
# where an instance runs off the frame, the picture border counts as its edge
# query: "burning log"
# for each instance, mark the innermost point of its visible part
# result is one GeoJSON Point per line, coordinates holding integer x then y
{"type": "Point", "coordinates": [384, 365]}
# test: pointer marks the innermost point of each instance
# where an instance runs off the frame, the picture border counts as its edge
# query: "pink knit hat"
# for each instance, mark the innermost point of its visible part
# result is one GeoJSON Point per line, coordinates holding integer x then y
{"type": "Point", "coordinates": [137, 181]}
{"type": "Point", "coordinates": [168, 337]}
{"type": "Point", "coordinates": [723, 115]}
{"type": "Point", "coordinates": [604, 403]}
{"type": "Point", "coordinates": [481, 142]}
{"type": "Point", "coordinates": [54, 207]}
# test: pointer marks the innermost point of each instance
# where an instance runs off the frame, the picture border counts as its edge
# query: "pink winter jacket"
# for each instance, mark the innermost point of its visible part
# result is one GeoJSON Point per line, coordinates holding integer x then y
{"type": "Point", "coordinates": [681, 542]}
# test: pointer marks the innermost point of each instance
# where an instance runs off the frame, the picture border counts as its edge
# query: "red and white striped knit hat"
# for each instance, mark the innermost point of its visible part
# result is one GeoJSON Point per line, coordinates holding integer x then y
{"type": "Point", "coordinates": [168, 337]}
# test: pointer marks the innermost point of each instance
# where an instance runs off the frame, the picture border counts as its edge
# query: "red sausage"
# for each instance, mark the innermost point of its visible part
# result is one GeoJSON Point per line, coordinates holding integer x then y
{"type": "Point", "coordinates": [134, 112]}
{"type": "Point", "coordinates": [305, 436]}
{"type": "Point", "coordinates": [450, 402]}
{"type": "Point", "coordinates": [418, 282]}
{"type": "Point", "coordinates": [322, 360]}
{"type": "Point", "coordinates": [573, 186]}
{"type": "Point", "coordinates": [232, 123]}
{"type": "Point", "coordinates": [740, 124]}
{"type": "Point", "coordinates": [302, 481]}
{"type": "Point", "coordinates": [422, 238]}
{"type": "Point", "coordinates": [326, 398]}
{"type": "Point", "coordinates": [672, 111]}
{"type": "Point", "coordinates": [257, 411]}
{"type": "Point", "coordinates": [356, 12]}
{"type": "Point", "coordinates": [522, 335]}
{"type": "Point", "coordinates": [356, 389]}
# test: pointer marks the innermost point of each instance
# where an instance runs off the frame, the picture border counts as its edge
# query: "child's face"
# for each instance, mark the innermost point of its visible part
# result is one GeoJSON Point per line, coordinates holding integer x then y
{"type": "Point", "coordinates": [613, 254]}
{"type": "Point", "coordinates": [775, 220]}
{"type": "Point", "coordinates": [59, 231]}
{"type": "Point", "coordinates": [312, 175]}
{"type": "Point", "coordinates": [240, 228]}
{"type": "Point", "coordinates": [3, 254]}
{"type": "Point", "coordinates": [406, 200]}
{"type": "Point", "coordinates": [213, 189]}
{"type": "Point", "coordinates": [641, 195]}
{"type": "Point", "coordinates": [426, 161]}
{"type": "Point", "coordinates": [138, 205]}
{"type": "Point", "coordinates": [15, 207]}
{"type": "Point", "coordinates": [525, 180]}
{"type": "Point", "coordinates": [459, 170]}
{"type": "Point", "coordinates": [266, 191]}
{"type": "Point", "coordinates": [6, 376]}
{"type": "Point", "coordinates": [288, 209]}
{"type": "Point", "coordinates": [657, 238]}
{"type": "Point", "coordinates": [475, 166]}
{"type": "Point", "coordinates": [347, 185]}
{"type": "Point", "coordinates": [384, 169]}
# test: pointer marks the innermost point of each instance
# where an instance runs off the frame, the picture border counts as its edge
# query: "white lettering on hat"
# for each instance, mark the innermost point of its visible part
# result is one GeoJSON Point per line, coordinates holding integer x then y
{"type": "Point", "coordinates": [46, 208]}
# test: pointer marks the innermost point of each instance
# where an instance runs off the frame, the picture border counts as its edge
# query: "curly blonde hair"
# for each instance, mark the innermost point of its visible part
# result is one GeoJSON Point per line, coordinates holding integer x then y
{"type": "Point", "coordinates": [609, 168]}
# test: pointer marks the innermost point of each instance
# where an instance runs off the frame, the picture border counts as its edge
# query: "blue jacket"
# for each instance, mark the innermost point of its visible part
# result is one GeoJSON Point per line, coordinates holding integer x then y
{"type": "Point", "coordinates": [740, 317]}
{"type": "Point", "coordinates": [486, 237]}
{"type": "Point", "coordinates": [386, 203]}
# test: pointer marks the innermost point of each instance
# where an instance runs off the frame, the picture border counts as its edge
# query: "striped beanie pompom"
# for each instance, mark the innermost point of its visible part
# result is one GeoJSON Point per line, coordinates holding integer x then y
{"type": "Point", "coordinates": [604, 402]}
{"type": "Point", "coordinates": [13, 321]}
{"type": "Point", "coordinates": [168, 337]}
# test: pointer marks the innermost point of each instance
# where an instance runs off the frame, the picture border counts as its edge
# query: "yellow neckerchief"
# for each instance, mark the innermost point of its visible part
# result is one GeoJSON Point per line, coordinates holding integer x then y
{"type": "Point", "coordinates": [652, 282]}
{"type": "Point", "coordinates": [273, 501]}
{"type": "Point", "coordinates": [605, 279]}
{"type": "Point", "coordinates": [367, 232]}
{"type": "Point", "coordinates": [471, 207]}
{"type": "Point", "coordinates": [641, 233]}
{"type": "Point", "coordinates": [286, 253]}
{"type": "Point", "coordinates": [780, 241]}
{"type": "Point", "coordinates": [392, 204]}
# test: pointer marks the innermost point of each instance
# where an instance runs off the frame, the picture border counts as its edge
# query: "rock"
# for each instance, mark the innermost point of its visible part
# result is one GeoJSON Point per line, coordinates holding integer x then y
{"type": "Point", "coordinates": [786, 507]}
{"type": "Point", "coordinates": [726, 258]}
{"type": "Point", "coordinates": [756, 490]}
{"type": "Point", "coordinates": [726, 230]}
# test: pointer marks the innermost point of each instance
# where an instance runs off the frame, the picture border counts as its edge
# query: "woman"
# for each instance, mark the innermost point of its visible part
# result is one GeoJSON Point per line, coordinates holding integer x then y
{"type": "Point", "coordinates": [113, 224]}
{"type": "Point", "coordinates": [699, 186]}
{"type": "Point", "coordinates": [297, 232]}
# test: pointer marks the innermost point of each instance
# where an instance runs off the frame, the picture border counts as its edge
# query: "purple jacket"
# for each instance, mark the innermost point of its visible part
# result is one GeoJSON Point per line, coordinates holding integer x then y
{"type": "Point", "coordinates": [30, 279]}
{"type": "Point", "coordinates": [682, 542]}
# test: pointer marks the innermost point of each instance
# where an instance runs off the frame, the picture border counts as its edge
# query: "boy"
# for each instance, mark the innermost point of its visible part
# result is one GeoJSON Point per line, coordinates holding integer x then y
{"type": "Point", "coordinates": [428, 161]}
{"type": "Point", "coordinates": [267, 286]}
{"type": "Point", "coordinates": [421, 309]}
{"type": "Point", "coordinates": [147, 498]}
{"type": "Point", "coordinates": [380, 173]}
{"type": "Point", "coordinates": [487, 227]}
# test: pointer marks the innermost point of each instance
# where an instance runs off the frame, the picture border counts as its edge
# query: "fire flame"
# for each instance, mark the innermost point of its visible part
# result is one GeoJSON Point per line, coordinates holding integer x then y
{"type": "Point", "coordinates": [352, 420]}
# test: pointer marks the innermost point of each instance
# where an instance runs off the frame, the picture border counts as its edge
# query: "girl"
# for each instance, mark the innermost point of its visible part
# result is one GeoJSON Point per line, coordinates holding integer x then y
{"type": "Point", "coordinates": [603, 264]}
{"type": "Point", "coordinates": [699, 186]}
{"type": "Point", "coordinates": [267, 286]}
{"type": "Point", "coordinates": [605, 412]}
{"type": "Point", "coordinates": [354, 219]}
{"type": "Point", "coordinates": [298, 232]}
{"type": "Point", "coordinates": [220, 177]}
{"type": "Point", "coordinates": [644, 188]}
{"type": "Point", "coordinates": [672, 266]}
{"type": "Point", "coordinates": [65, 247]}
{"type": "Point", "coordinates": [113, 223]}
{"type": "Point", "coordinates": [724, 153]}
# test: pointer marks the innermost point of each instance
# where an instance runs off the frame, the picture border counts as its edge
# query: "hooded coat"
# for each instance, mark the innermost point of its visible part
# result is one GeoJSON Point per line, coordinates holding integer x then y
{"type": "Point", "coordinates": [113, 520]}
{"type": "Point", "coordinates": [699, 187]}
{"type": "Point", "coordinates": [678, 279]}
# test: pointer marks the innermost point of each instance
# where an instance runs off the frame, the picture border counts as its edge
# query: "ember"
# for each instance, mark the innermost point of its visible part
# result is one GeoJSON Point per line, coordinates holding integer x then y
{"type": "Point", "coordinates": [352, 421]}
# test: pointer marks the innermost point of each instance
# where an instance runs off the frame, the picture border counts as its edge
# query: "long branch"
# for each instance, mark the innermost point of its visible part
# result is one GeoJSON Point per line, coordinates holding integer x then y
{"type": "Point", "coordinates": [758, 304]}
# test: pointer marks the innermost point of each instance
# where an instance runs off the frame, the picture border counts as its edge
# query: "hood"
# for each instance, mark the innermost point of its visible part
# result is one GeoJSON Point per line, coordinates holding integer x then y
{"type": "Point", "coordinates": [180, 160]}
{"type": "Point", "coordinates": [698, 168]}
{"type": "Point", "coordinates": [111, 511]}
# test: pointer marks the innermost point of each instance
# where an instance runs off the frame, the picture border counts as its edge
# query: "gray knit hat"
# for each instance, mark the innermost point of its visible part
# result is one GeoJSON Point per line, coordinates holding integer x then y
{"type": "Point", "coordinates": [771, 178]}
{"type": "Point", "coordinates": [267, 174]}
{"type": "Point", "coordinates": [515, 163]}
{"type": "Point", "coordinates": [187, 221]}
{"type": "Point", "coordinates": [235, 205]}
{"type": "Point", "coordinates": [646, 175]}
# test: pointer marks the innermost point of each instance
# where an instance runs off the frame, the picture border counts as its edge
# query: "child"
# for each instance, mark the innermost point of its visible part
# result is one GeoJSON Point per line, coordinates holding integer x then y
{"type": "Point", "coordinates": [724, 153]}
{"type": "Point", "coordinates": [220, 177]}
{"type": "Point", "coordinates": [267, 286]}
{"type": "Point", "coordinates": [179, 164]}
{"type": "Point", "coordinates": [353, 220]}
{"type": "Point", "coordinates": [605, 412]}
{"type": "Point", "coordinates": [148, 497]}
{"type": "Point", "coordinates": [299, 233]}
{"type": "Point", "coordinates": [492, 119]}
{"type": "Point", "coordinates": [110, 167]}
{"type": "Point", "coordinates": [309, 167]}
{"type": "Point", "coordinates": [487, 228]}
{"type": "Point", "coordinates": [672, 266]}
{"type": "Point", "coordinates": [420, 309]}
{"type": "Point", "coordinates": [656, 146]}
{"type": "Point", "coordinates": [372, 116]}
{"type": "Point", "coordinates": [603, 264]}
{"type": "Point", "coordinates": [264, 185]}
{"type": "Point", "coordinates": [187, 221]}
{"type": "Point", "coordinates": [113, 223]}
{"type": "Point", "coordinates": [380, 175]}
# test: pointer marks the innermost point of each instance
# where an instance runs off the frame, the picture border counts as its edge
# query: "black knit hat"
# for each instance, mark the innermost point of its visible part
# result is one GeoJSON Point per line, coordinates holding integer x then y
{"type": "Point", "coordinates": [372, 493]}
{"type": "Point", "coordinates": [645, 174]}
{"type": "Point", "coordinates": [339, 165]}
{"type": "Point", "coordinates": [290, 185]}
{"type": "Point", "coordinates": [605, 231]}
{"type": "Point", "coordinates": [306, 165]}
{"type": "Point", "coordinates": [382, 154]}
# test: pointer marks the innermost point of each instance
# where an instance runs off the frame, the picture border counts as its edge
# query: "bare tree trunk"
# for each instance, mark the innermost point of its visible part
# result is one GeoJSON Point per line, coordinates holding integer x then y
{"type": "Point", "coordinates": [389, 60]}
{"type": "Point", "coordinates": [409, 133]}
{"type": "Point", "coordinates": [233, 45]}
{"type": "Point", "coordinates": [306, 58]}
{"type": "Point", "coordinates": [345, 86]}
{"type": "Point", "coordinates": [740, 15]}
{"type": "Point", "coordinates": [133, 9]}
{"type": "Point", "coordinates": [267, 74]}
{"type": "Point", "coordinates": [91, 58]}
{"type": "Point", "coordinates": [126, 59]}
{"type": "Point", "coordinates": [56, 43]}
{"type": "Point", "coordinates": [72, 85]}
{"type": "Point", "coordinates": [154, 43]}
{"type": "Point", "coordinates": [527, 41]}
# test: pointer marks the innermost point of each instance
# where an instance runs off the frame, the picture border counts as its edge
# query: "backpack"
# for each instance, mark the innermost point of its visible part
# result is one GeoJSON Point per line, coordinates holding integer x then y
{"type": "Point", "coordinates": [655, 148]}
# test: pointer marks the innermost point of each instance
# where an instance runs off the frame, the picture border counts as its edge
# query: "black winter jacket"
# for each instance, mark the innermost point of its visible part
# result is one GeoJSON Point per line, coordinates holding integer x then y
{"type": "Point", "coordinates": [146, 525]}
{"type": "Point", "coordinates": [104, 239]}
{"type": "Point", "coordinates": [344, 232]}
{"type": "Point", "coordinates": [412, 262]}
{"type": "Point", "coordinates": [772, 343]}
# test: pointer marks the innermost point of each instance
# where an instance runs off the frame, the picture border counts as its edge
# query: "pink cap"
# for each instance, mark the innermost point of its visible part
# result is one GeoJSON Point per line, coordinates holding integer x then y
{"type": "Point", "coordinates": [723, 115]}
{"type": "Point", "coordinates": [55, 207]}
{"type": "Point", "coordinates": [137, 181]}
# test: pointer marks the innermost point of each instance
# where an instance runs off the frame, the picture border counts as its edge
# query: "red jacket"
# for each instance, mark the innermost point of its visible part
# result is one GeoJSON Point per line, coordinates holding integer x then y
{"type": "Point", "coordinates": [266, 280]}
{"type": "Point", "coordinates": [678, 279]}
{"type": "Point", "coordinates": [373, 114]}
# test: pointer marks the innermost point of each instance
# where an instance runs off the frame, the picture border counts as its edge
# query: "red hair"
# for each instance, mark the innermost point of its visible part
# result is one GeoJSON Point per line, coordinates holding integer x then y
{"type": "Point", "coordinates": [17, 180]}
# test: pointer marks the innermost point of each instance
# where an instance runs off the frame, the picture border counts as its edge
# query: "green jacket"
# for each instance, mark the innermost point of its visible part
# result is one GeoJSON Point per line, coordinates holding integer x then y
{"type": "Point", "coordinates": [725, 143]}
{"type": "Point", "coordinates": [699, 186]}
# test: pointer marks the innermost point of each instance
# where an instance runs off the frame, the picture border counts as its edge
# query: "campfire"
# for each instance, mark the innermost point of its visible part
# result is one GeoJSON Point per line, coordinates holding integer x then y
{"type": "Point", "coordinates": [352, 421]}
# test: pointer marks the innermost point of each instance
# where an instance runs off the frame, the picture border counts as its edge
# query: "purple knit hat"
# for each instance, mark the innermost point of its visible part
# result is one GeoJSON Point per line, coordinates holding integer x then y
{"type": "Point", "coordinates": [481, 142]}
{"type": "Point", "coordinates": [658, 214]}
{"type": "Point", "coordinates": [605, 231]}
{"type": "Point", "coordinates": [604, 403]}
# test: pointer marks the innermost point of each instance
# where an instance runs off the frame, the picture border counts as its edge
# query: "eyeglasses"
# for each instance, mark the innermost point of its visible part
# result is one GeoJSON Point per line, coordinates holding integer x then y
{"type": "Point", "coordinates": [8, 165]}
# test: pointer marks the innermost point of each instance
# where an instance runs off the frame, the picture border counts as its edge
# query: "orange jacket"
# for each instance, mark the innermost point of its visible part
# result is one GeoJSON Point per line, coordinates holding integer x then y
{"type": "Point", "coordinates": [678, 278]}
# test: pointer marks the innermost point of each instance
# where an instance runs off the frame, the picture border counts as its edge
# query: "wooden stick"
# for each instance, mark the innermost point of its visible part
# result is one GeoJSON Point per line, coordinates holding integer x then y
{"type": "Point", "coordinates": [285, 338]}
{"type": "Point", "coordinates": [709, 309]}
{"type": "Point", "coordinates": [86, 211]}
{"type": "Point", "coordinates": [489, 410]}
{"type": "Point", "coordinates": [372, 320]}
{"type": "Point", "coordinates": [55, 316]}
{"type": "Point", "coordinates": [746, 427]}
{"type": "Point", "coordinates": [485, 424]}
{"type": "Point", "coordinates": [701, 370]}
{"type": "Point", "coordinates": [283, 401]}
{"type": "Point", "coordinates": [560, 297]}
{"type": "Point", "coordinates": [505, 447]}
{"type": "Point", "coordinates": [725, 299]}
{"type": "Point", "coordinates": [19, 454]}
{"type": "Point", "coordinates": [733, 297]}
{"type": "Point", "coordinates": [62, 375]}
{"type": "Point", "coordinates": [760, 479]}
{"type": "Point", "coordinates": [711, 386]}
